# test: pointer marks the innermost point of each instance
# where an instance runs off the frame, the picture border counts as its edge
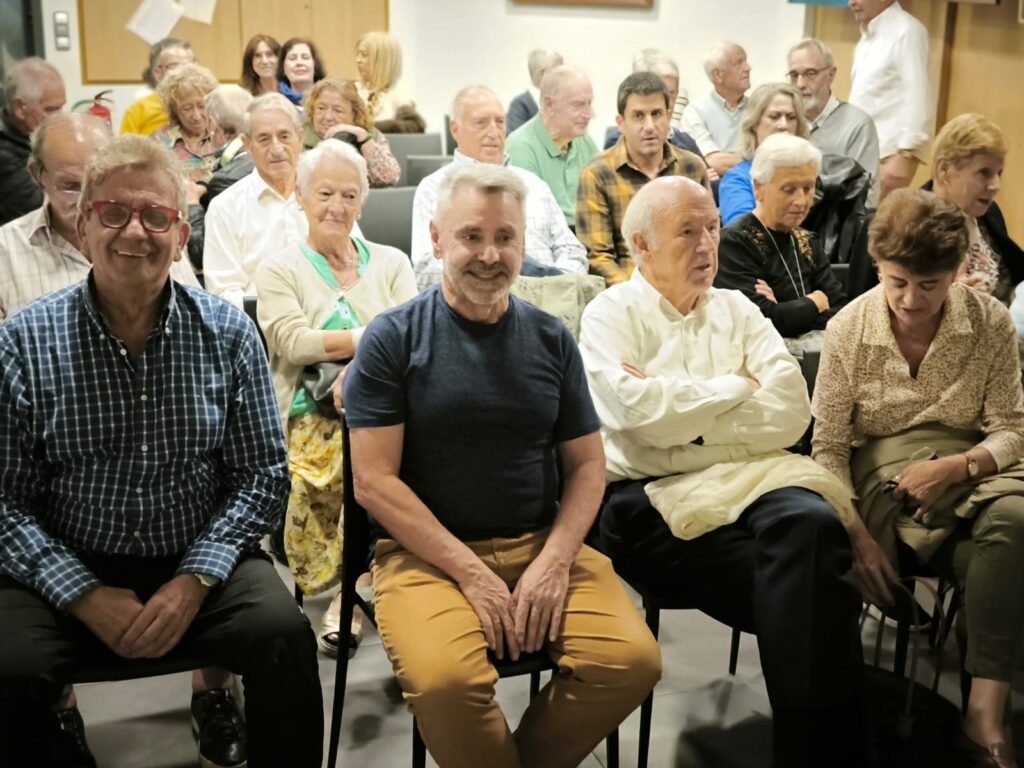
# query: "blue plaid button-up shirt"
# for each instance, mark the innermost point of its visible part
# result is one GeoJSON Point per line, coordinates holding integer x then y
{"type": "Point", "coordinates": [179, 452]}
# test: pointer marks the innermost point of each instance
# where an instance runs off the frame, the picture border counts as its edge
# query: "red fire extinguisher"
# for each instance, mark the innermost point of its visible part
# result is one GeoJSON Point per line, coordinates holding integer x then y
{"type": "Point", "coordinates": [99, 105]}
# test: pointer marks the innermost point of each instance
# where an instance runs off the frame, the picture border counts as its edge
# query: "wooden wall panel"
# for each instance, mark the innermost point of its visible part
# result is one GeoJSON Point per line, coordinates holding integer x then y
{"type": "Point", "coordinates": [339, 24]}
{"type": "Point", "coordinates": [112, 54]}
{"type": "Point", "coordinates": [837, 28]}
{"type": "Point", "coordinates": [986, 76]}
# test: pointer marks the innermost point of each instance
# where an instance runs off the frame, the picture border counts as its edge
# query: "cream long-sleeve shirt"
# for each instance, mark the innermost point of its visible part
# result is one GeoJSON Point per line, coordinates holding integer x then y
{"type": "Point", "coordinates": [697, 386]}
{"type": "Point", "coordinates": [890, 80]}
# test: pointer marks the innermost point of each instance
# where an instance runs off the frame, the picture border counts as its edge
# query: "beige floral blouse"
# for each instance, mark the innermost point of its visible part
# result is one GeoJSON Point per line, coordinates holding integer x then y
{"type": "Point", "coordinates": [970, 378]}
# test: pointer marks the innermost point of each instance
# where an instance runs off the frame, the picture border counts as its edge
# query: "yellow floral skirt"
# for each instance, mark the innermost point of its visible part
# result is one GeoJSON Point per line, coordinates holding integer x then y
{"type": "Point", "coordinates": [312, 530]}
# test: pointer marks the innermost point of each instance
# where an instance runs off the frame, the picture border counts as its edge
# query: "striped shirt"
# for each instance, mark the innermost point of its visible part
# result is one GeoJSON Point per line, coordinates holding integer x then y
{"type": "Point", "coordinates": [177, 453]}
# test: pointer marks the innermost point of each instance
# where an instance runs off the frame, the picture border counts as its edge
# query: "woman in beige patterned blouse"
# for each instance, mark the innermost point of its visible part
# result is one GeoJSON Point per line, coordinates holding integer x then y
{"type": "Point", "coordinates": [919, 408]}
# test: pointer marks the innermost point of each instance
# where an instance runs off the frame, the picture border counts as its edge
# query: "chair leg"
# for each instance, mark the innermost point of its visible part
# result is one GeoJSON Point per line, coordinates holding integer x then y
{"type": "Point", "coordinates": [899, 661]}
{"type": "Point", "coordinates": [419, 749]}
{"type": "Point", "coordinates": [298, 596]}
{"type": "Point", "coordinates": [341, 669]}
{"type": "Point", "coordinates": [734, 651]}
{"type": "Point", "coordinates": [612, 749]}
{"type": "Point", "coordinates": [646, 711]}
{"type": "Point", "coordinates": [534, 684]}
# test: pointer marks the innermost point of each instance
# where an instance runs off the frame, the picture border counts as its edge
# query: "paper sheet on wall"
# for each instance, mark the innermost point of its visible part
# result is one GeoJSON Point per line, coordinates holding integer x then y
{"type": "Point", "coordinates": [200, 10]}
{"type": "Point", "coordinates": [153, 20]}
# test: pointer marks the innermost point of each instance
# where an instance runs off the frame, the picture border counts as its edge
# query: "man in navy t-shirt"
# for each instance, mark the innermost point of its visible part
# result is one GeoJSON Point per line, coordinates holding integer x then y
{"type": "Point", "coordinates": [475, 448]}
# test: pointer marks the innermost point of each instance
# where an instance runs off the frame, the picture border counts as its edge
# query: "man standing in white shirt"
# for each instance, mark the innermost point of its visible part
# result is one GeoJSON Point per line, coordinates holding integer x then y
{"type": "Point", "coordinates": [890, 83]}
{"type": "Point", "coordinates": [699, 398]}
{"type": "Point", "coordinates": [258, 216]}
{"type": "Point", "coordinates": [714, 119]}
{"type": "Point", "coordinates": [478, 127]}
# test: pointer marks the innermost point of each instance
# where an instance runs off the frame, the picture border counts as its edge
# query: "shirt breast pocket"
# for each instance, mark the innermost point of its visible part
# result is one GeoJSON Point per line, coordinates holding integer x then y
{"type": "Point", "coordinates": [728, 359]}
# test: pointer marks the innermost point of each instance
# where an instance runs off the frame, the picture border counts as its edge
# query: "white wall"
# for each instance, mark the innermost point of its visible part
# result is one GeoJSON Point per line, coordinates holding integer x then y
{"type": "Point", "coordinates": [70, 64]}
{"type": "Point", "coordinates": [451, 43]}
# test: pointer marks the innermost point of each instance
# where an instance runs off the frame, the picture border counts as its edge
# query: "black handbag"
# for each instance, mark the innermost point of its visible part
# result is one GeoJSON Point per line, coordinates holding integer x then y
{"type": "Point", "coordinates": [318, 381]}
{"type": "Point", "coordinates": [914, 726]}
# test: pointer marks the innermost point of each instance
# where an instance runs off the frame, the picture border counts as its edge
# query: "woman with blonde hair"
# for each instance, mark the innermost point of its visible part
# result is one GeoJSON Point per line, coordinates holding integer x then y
{"type": "Point", "coordinates": [968, 157]}
{"type": "Point", "coordinates": [379, 64]}
{"type": "Point", "coordinates": [183, 93]}
{"type": "Point", "coordinates": [333, 109]}
{"type": "Point", "coordinates": [772, 108]}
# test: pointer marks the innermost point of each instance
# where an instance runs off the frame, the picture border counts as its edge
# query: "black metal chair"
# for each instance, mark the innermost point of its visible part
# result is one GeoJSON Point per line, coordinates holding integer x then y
{"type": "Point", "coordinates": [355, 558]}
{"type": "Point", "coordinates": [654, 603]}
{"type": "Point", "coordinates": [115, 669]}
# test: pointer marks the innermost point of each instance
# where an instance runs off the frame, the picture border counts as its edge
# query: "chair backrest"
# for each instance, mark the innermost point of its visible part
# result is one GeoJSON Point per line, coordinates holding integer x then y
{"type": "Point", "coordinates": [842, 273]}
{"type": "Point", "coordinates": [418, 167]}
{"type": "Point", "coordinates": [405, 144]}
{"type": "Point", "coordinates": [387, 217]}
{"type": "Point", "coordinates": [249, 305]}
{"type": "Point", "coordinates": [449, 140]}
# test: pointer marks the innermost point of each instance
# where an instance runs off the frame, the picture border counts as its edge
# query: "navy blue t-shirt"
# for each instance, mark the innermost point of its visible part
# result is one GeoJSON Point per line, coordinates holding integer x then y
{"type": "Point", "coordinates": [484, 408]}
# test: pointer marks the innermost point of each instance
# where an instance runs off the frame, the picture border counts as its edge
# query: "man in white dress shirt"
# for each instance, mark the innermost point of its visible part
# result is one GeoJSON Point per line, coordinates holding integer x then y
{"type": "Point", "coordinates": [699, 398]}
{"type": "Point", "coordinates": [713, 120]}
{"type": "Point", "coordinates": [890, 83]}
{"type": "Point", "coordinates": [40, 252]}
{"type": "Point", "coordinates": [478, 127]}
{"type": "Point", "coordinates": [258, 216]}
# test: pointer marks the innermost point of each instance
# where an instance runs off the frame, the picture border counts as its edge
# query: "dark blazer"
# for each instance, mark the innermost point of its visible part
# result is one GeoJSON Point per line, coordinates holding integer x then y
{"type": "Point", "coordinates": [863, 276]}
{"type": "Point", "coordinates": [521, 109]}
{"type": "Point", "coordinates": [19, 192]}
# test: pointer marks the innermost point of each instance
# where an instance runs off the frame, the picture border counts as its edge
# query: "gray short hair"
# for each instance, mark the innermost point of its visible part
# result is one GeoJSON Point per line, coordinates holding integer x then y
{"type": "Point", "coordinates": [781, 150]}
{"type": "Point", "coordinates": [556, 77]}
{"type": "Point", "coordinates": [489, 179]}
{"type": "Point", "coordinates": [716, 57]}
{"type": "Point", "coordinates": [656, 61]}
{"type": "Point", "coordinates": [84, 122]}
{"type": "Point", "coordinates": [333, 149]}
{"type": "Point", "coordinates": [226, 105]}
{"type": "Point", "coordinates": [137, 153]}
{"type": "Point", "coordinates": [541, 60]}
{"type": "Point", "coordinates": [814, 44]}
{"type": "Point", "coordinates": [26, 80]}
{"type": "Point", "coordinates": [465, 93]}
{"type": "Point", "coordinates": [269, 102]}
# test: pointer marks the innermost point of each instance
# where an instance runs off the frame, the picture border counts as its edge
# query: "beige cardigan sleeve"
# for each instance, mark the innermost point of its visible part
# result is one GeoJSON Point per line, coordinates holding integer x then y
{"type": "Point", "coordinates": [833, 404]}
{"type": "Point", "coordinates": [289, 308]}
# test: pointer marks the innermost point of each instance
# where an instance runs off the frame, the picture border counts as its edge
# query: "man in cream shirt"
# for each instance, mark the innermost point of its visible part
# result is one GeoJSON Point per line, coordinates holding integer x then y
{"type": "Point", "coordinates": [699, 398]}
{"type": "Point", "coordinates": [890, 83]}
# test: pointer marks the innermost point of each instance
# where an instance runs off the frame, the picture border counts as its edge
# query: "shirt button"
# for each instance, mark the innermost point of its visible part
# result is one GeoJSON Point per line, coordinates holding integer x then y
{"type": "Point", "coordinates": [144, 397]}
{"type": "Point", "coordinates": [137, 534]}
{"type": "Point", "coordinates": [138, 491]}
{"type": "Point", "coordinates": [123, 351]}
{"type": "Point", "coordinates": [144, 448]}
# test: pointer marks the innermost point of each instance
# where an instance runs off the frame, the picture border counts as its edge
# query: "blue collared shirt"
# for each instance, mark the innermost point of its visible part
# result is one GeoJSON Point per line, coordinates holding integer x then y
{"type": "Point", "coordinates": [179, 452]}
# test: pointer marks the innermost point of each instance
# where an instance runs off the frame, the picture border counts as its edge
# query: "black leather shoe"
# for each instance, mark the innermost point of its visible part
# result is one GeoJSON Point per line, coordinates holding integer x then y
{"type": "Point", "coordinates": [218, 728]}
{"type": "Point", "coordinates": [68, 748]}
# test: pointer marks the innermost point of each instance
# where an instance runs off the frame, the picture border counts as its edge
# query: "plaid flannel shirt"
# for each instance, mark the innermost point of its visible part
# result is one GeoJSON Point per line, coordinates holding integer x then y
{"type": "Point", "coordinates": [605, 189]}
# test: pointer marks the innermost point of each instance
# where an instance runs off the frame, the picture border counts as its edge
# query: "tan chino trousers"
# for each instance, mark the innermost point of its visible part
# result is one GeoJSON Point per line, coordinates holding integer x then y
{"type": "Point", "coordinates": [606, 657]}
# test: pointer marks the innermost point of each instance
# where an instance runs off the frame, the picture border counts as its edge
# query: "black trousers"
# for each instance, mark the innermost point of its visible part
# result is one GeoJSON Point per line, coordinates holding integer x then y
{"type": "Point", "coordinates": [249, 625]}
{"type": "Point", "coordinates": [781, 572]}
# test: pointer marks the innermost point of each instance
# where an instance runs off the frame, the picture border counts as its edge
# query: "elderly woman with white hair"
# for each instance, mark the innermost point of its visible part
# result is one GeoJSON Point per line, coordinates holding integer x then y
{"type": "Point", "coordinates": [767, 256]}
{"type": "Point", "coordinates": [314, 300]}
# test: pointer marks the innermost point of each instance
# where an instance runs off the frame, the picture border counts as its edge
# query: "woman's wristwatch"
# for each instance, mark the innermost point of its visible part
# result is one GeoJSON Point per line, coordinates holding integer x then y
{"type": "Point", "coordinates": [972, 466]}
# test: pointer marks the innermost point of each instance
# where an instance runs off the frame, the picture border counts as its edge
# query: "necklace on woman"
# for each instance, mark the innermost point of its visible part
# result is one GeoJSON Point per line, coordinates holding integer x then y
{"type": "Point", "coordinates": [796, 258]}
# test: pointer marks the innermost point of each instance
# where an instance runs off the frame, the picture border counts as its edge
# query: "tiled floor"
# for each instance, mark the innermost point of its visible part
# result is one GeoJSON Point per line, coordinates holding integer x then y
{"type": "Point", "coordinates": [702, 717]}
